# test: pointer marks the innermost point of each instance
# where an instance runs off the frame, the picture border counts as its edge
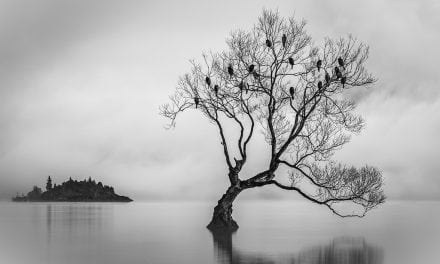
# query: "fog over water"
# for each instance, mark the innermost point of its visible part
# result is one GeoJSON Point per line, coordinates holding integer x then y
{"type": "Point", "coordinates": [270, 232]}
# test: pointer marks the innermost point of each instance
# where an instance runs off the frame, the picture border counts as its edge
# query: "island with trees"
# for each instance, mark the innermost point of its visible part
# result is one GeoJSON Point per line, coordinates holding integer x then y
{"type": "Point", "coordinates": [72, 191]}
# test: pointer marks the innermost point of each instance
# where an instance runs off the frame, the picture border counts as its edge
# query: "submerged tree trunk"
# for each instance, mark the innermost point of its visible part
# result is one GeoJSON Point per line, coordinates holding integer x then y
{"type": "Point", "coordinates": [222, 216]}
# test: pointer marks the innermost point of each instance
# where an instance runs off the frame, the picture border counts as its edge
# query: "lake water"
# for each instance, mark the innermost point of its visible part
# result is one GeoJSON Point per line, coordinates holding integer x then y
{"type": "Point", "coordinates": [172, 232]}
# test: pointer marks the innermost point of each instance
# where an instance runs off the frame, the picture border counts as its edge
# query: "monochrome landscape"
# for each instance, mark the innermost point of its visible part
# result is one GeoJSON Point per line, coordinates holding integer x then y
{"type": "Point", "coordinates": [219, 132]}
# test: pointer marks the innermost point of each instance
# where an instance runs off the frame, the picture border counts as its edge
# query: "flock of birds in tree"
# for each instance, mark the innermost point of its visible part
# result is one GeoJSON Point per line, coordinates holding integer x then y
{"type": "Point", "coordinates": [251, 70]}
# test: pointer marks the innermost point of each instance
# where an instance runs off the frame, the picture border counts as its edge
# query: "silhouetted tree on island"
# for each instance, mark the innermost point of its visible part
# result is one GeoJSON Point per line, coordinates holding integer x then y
{"type": "Point", "coordinates": [35, 193]}
{"type": "Point", "coordinates": [49, 184]}
{"type": "Point", "coordinates": [273, 78]}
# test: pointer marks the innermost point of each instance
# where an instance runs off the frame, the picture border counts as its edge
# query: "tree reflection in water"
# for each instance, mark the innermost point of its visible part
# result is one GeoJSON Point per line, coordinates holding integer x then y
{"type": "Point", "coordinates": [343, 250]}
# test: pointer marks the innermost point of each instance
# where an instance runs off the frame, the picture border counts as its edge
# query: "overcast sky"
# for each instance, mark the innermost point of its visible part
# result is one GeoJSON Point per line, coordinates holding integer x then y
{"type": "Point", "coordinates": [81, 83]}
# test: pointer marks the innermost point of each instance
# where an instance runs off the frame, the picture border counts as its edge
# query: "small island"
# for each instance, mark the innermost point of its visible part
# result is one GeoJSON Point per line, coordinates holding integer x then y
{"type": "Point", "coordinates": [72, 191]}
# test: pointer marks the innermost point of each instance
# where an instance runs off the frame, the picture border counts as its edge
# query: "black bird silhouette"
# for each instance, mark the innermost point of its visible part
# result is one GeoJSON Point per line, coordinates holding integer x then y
{"type": "Point", "coordinates": [319, 64]}
{"type": "Point", "coordinates": [327, 78]}
{"type": "Point", "coordinates": [251, 68]}
{"type": "Point", "coordinates": [196, 101]}
{"type": "Point", "coordinates": [343, 80]}
{"type": "Point", "coordinates": [241, 85]}
{"type": "Point", "coordinates": [268, 43]}
{"type": "Point", "coordinates": [319, 85]}
{"type": "Point", "coordinates": [230, 70]}
{"type": "Point", "coordinates": [284, 39]}
{"type": "Point", "coordinates": [338, 72]}
{"type": "Point", "coordinates": [292, 91]}
{"type": "Point", "coordinates": [216, 88]}
{"type": "Point", "coordinates": [208, 81]}
{"type": "Point", "coordinates": [341, 62]}
{"type": "Point", "coordinates": [291, 62]}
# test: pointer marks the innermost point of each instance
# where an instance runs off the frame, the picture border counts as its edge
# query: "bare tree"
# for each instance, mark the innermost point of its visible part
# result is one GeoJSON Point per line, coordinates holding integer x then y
{"type": "Point", "coordinates": [275, 79]}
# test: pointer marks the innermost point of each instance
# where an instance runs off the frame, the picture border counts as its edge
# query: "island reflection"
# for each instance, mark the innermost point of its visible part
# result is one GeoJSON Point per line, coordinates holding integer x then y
{"type": "Point", "coordinates": [344, 250]}
{"type": "Point", "coordinates": [75, 222]}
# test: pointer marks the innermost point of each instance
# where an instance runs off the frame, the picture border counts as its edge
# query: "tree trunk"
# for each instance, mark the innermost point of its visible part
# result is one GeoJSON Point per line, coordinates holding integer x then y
{"type": "Point", "coordinates": [222, 216]}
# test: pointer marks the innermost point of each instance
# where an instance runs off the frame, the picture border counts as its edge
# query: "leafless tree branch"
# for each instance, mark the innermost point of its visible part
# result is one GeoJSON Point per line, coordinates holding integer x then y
{"type": "Point", "coordinates": [294, 91]}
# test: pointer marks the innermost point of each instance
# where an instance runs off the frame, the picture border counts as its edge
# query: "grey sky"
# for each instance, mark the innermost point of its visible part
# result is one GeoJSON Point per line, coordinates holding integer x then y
{"type": "Point", "coordinates": [81, 82]}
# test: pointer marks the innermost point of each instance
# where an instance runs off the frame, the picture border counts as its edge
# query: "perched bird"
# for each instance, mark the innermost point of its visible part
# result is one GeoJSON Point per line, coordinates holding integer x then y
{"type": "Point", "coordinates": [327, 78]}
{"type": "Point", "coordinates": [241, 86]}
{"type": "Point", "coordinates": [292, 91]}
{"type": "Point", "coordinates": [341, 62]}
{"type": "Point", "coordinates": [268, 43]}
{"type": "Point", "coordinates": [208, 81]}
{"type": "Point", "coordinates": [338, 72]}
{"type": "Point", "coordinates": [283, 40]}
{"type": "Point", "coordinates": [216, 88]}
{"type": "Point", "coordinates": [343, 80]}
{"type": "Point", "coordinates": [230, 70]}
{"type": "Point", "coordinates": [251, 68]}
{"type": "Point", "coordinates": [196, 101]}
{"type": "Point", "coordinates": [319, 64]}
{"type": "Point", "coordinates": [291, 62]}
{"type": "Point", "coordinates": [319, 85]}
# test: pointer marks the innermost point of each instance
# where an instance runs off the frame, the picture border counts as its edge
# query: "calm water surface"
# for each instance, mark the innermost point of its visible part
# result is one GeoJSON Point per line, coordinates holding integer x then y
{"type": "Point", "coordinates": [270, 232]}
